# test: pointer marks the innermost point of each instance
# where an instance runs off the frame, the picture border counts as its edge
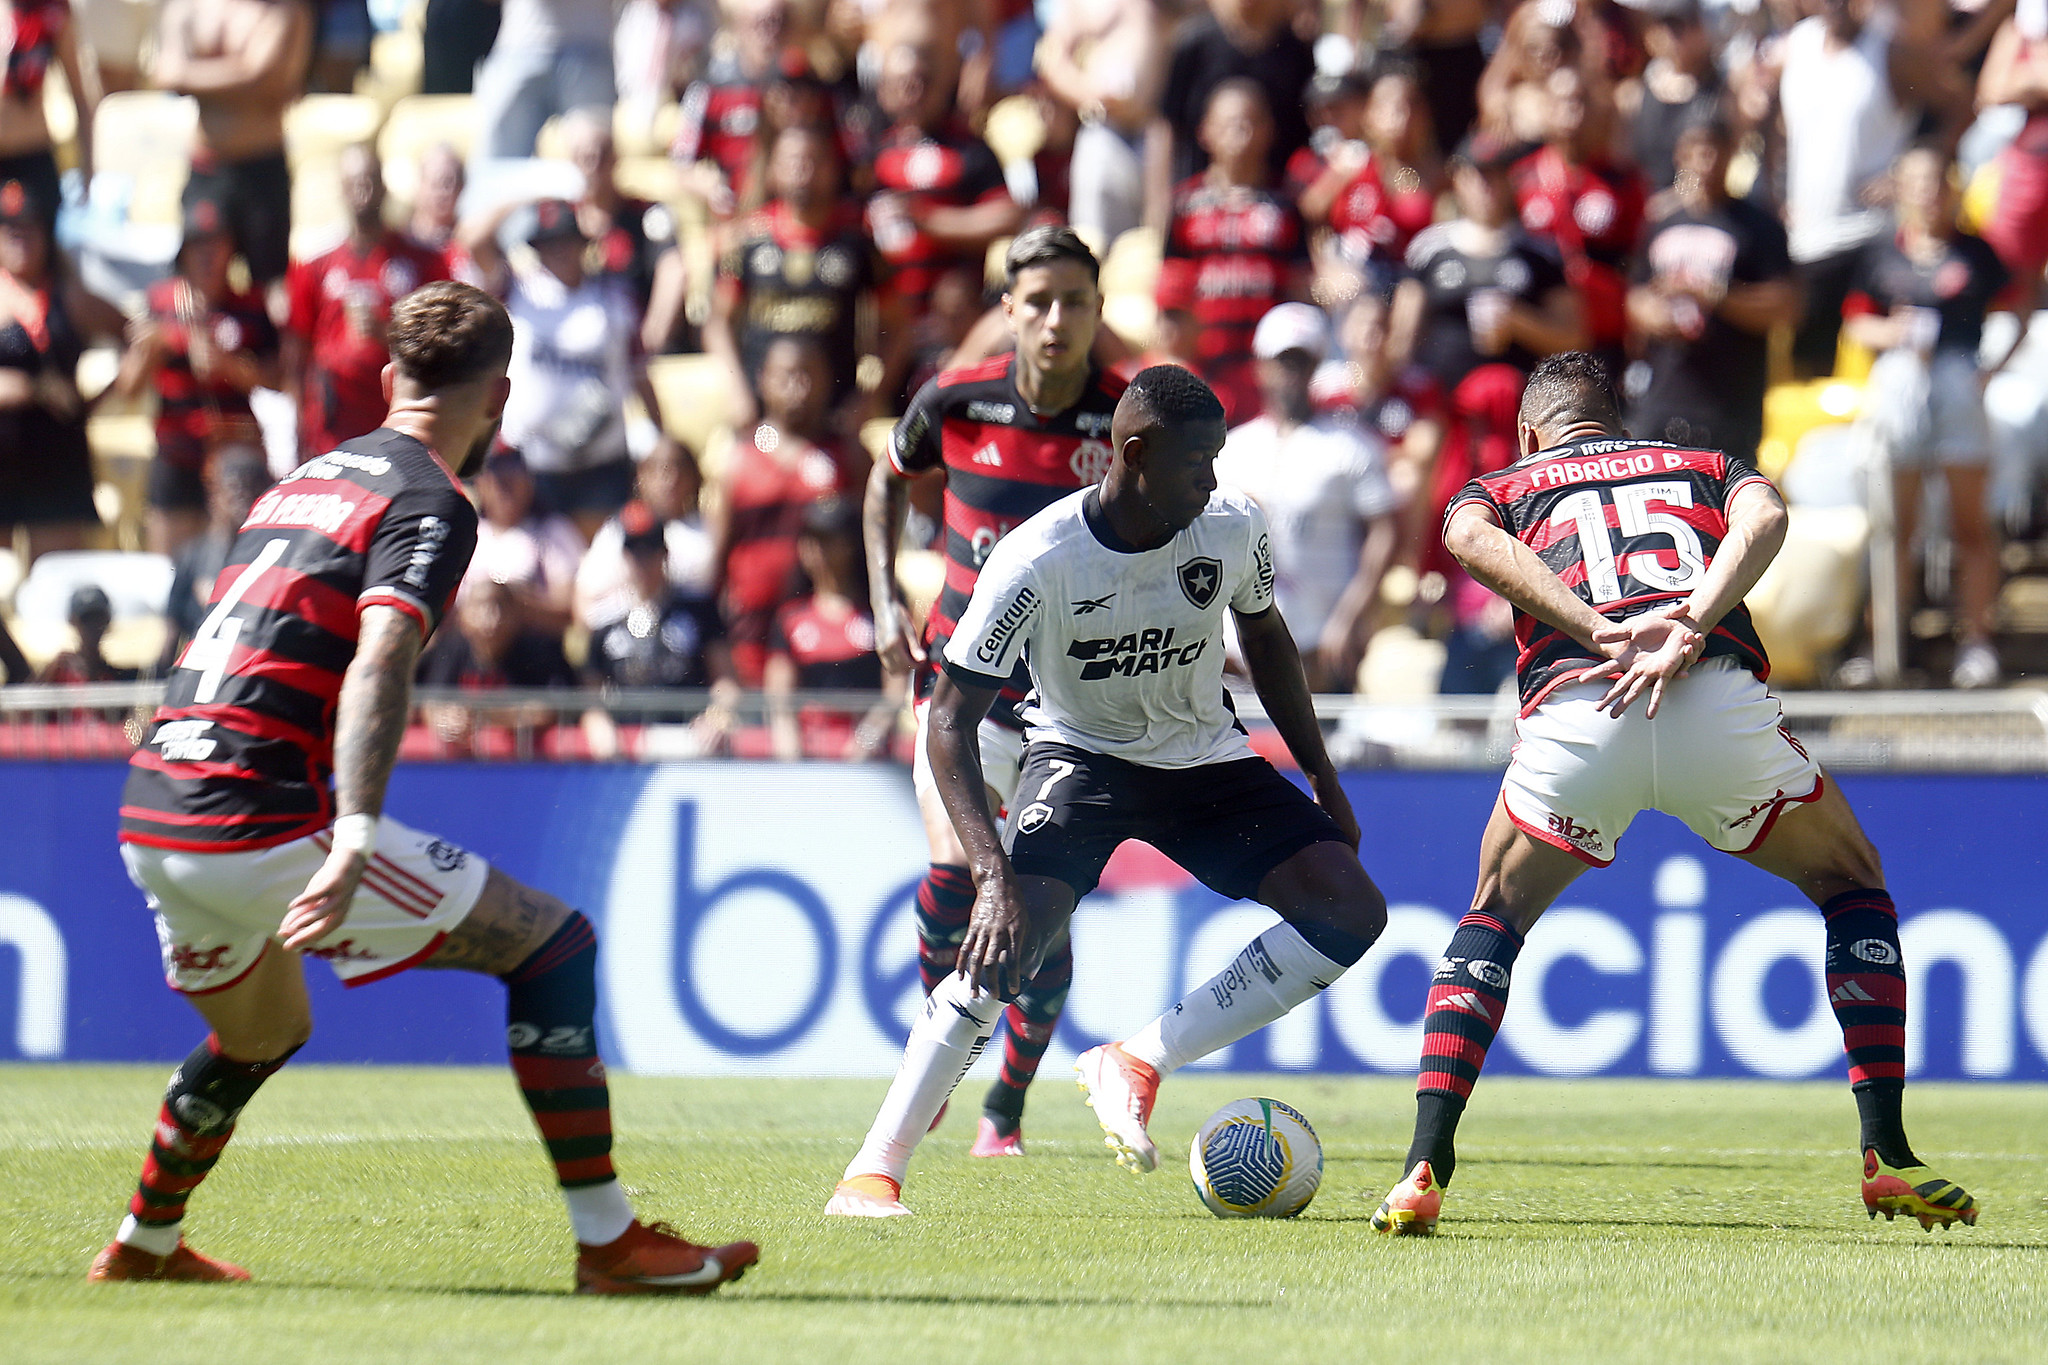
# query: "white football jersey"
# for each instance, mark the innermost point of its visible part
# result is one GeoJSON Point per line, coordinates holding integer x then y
{"type": "Point", "coordinates": [1125, 647]}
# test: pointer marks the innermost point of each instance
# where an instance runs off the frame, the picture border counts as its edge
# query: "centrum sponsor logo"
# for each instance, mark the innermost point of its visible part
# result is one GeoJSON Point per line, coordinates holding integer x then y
{"type": "Point", "coordinates": [1145, 651]}
{"type": "Point", "coordinates": [1009, 623]}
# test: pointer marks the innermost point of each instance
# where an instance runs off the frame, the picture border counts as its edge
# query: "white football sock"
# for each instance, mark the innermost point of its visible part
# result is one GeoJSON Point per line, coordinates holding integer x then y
{"type": "Point", "coordinates": [1275, 972]}
{"type": "Point", "coordinates": [599, 1213]}
{"type": "Point", "coordinates": [158, 1239]}
{"type": "Point", "coordinates": [944, 1042]}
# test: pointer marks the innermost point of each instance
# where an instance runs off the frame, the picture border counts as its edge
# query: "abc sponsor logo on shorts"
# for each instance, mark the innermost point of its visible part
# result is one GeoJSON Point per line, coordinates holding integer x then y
{"type": "Point", "coordinates": [1576, 834]}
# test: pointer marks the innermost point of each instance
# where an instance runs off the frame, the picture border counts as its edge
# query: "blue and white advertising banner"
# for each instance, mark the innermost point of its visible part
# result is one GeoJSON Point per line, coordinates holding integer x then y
{"type": "Point", "coordinates": [756, 920]}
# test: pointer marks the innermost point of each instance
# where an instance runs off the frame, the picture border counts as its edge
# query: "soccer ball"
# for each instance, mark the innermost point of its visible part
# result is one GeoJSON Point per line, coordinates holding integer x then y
{"type": "Point", "coordinates": [1256, 1159]}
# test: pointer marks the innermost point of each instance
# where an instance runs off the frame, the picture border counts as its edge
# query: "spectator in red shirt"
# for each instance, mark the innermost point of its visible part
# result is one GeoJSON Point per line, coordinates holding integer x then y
{"type": "Point", "coordinates": [940, 194]}
{"type": "Point", "coordinates": [824, 641]}
{"type": "Point", "coordinates": [204, 345]}
{"type": "Point", "coordinates": [722, 111]}
{"type": "Point", "coordinates": [774, 477]}
{"type": "Point", "coordinates": [1570, 192]}
{"type": "Point", "coordinates": [1376, 195]}
{"type": "Point", "coordinates": [1234, 249]}
{"type": "Point", "coordinates": [334, 349]}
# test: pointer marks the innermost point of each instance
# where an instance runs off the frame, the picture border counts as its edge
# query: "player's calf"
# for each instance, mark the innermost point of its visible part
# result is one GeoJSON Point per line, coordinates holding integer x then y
{"type": "Point", "coordinates": [1029, 1024]}
{"type": "Point", "coordinates": [945, 899]}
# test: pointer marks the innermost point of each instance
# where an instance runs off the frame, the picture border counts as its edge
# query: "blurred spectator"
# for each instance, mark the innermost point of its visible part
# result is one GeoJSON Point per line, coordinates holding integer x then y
{"type": "Point", "coordinates": [1540, 40]}
{"type": "Point", "coordinates": [203, 345]}
{"type": "Point", "coordinates": [111, 37]}
{"type": "Point", "coordinates": [657, 48]}
{"type": "Point", "coordinates": [245, 62]}
{"type": "Point", "coordinates": [455, 38]}
{"type": "Point", "coordinates": [490, 648]}
{"type": "Point", "coordinates": [1479, 303]}
{"type": "Point", "coordinates": [91, 616]}
{"type": "Point", "coordinates": [1591, 208]}
{"type": "Point", "coordinates": [341, 45]}
{"type": "Point", "coordinates": [2016, 72]}
{"type": "Point", "coordinates": [952, 325]}
{"type": "Point", "coordinates": [626, 235]}
{"type": "Point", "coordinates": [1712, 281]}
{"type": "Point", "coordinates": [1107, 61]}
{"type": "Point", "coordinates": [550, 56]}
{"type": "Point", "coordinates": [722, 108]}
{"type": "Point", "coordinates": [668, 485]}
{"type": "Point", "coordinates": [825, 641]}
{"type": "Point", "coordinates": [236, 476]}
{"type": "Point", "coordinates": [940, 198]}
{"type": "Point", "coordinates": [1843, 91]}
{"type": "Point", "coordinates": [46, 476]}
{"type": "Point", "coordinates": [13, 664]}
{"type": "Point", "coordinates": [1233, 250]}
{"type": "Point", "coordinates": [437, 200]}
{"type": "Point", "coordinates": [1322, 484]}
{"type": "Point", "coordinates": [1679, 87]}
{"type": "Point", "coordinates": [1377, 194]}
{"type": "Point", "coordinates": [656, 634]}
{"type": "Point", "coordinates": [772, 480]}
{"type": "Point", "coordinates": [334, 348]}
{"type": "Point", "coordinates": [42, 33]}
{"type": "Point", "coordinates": [534, 553]}
{"type": "Point", "coordinates": [1237, 40]}
{"type": "Point", "coordinates": [801, 266]}
{"type": "Point", "coordinates": [576, 357]}
{"type": "Point", "coordinates": [1442, 38]}
{"type": "Point", "coordinates": [1919, 297]}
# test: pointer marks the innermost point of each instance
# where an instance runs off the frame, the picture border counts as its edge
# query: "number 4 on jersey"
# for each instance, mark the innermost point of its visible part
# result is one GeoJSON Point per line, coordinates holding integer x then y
{"type": "Point", "coordinates": [213, 644]}
{"type": "Point", "coordinates": [1586, 512]}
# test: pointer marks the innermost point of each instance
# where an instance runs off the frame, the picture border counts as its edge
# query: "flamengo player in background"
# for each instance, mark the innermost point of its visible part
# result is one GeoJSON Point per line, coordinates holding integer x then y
{"type": "Point", "coordinates": [1012, 434]}
{"type": "Point", "coordinates": [303, 669]}
{"type": "Point", "coordinates": [1114, 596]}
{"type": "Point", "coordinates": [1627, 562]}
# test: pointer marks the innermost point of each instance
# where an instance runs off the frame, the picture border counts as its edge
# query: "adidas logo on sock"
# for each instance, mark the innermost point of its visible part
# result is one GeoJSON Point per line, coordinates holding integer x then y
{"type": "Point", "coordinates": [1471, 1002]}
{"type": "Point", "coordinates": [1849, 993]}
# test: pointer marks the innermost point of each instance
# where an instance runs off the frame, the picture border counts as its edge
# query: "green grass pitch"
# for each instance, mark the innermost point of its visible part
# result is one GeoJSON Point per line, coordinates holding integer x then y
{"type": "Point", "coordinates": [406, 1215]}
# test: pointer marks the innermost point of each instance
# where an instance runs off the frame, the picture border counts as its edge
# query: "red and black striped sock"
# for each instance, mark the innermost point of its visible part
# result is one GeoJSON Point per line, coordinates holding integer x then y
{"type": "Point", "coordinates": [945, 898]}
{"type": "Point", "coordinates": [1029, 1023]}
{"type": "Point", "coordinates": [1867, 989]}
{"type": "Point", "coordinates": [1467, 1000]}
{"type": "Point", "coordinates": [551, 1031]}
{"type": "Point", "coordinates": [207, 1094]}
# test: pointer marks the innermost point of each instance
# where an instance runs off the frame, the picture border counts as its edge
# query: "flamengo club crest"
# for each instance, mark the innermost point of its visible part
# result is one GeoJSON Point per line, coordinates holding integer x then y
{"type": "Point", "coordinates": [1199, 580]}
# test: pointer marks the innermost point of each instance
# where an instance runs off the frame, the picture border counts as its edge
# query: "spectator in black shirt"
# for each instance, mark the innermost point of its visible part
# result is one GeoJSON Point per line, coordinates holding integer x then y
{"type": "Point", "coordinates": [656, 634]}
{"type": "Point", "coordinates": [1712, 281]}
{"type": "Point", "coordinates": [490, 648]}
{"type": "Point", "coordinates": [91, 616]}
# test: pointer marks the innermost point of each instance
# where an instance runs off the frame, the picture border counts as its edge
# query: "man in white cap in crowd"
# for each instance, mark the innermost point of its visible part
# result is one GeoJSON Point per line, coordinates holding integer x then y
{"type": "Point", "coordinates": [1322, 483]}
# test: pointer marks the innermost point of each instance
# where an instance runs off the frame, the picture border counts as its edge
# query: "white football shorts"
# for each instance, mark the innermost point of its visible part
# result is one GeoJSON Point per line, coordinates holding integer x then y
{"type": "Point", "coordinates": [216, 913]}
{"type": "Point", "coordinates": [1002, 757]}
{"type": "Point", "coordinates": [1716, 757]}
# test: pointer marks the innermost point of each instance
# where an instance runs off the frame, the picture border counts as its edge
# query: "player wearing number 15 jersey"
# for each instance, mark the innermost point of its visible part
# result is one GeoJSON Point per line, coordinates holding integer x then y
{"type": "Point", "coordinates": [302, 675]}
{"type": "Point", "coordinates": [1627, 562]}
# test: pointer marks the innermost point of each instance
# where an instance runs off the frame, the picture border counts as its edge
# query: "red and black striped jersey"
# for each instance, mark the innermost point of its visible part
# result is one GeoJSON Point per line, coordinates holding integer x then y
{"type": "Point", "coordinates": [1003, 463]}
{"type": "Point", "coordinates": [1232, 252]}
{"type": "Point", "coordinates": [921, 171]}
{"type": "Point", "coordinates": [240, 754]}
{"type": "Point", "coordinates": [1624, 524]}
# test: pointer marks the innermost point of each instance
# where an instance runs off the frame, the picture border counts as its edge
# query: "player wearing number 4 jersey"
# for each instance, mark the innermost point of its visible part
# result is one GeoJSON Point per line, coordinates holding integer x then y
{"type": "Point", "coordinates": [1114, 598]}
{"type": "Point", "coordinates": [1627, 562]}
{"type": "Point", "coordinates": [302, 673]}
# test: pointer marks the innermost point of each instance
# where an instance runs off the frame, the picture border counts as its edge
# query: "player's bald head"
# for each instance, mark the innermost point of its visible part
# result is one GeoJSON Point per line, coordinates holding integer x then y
{"type": "Point", "coordinates": [1166, 402]}
{"type": "Point", "coordinates": [1569, 389]}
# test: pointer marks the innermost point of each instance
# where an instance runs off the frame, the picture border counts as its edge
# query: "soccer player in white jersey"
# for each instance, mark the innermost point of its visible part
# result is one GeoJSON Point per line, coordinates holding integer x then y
{"type": "Point", "coordinates": [1627, 562]}
{"type": "Point", "coordinates": [1114, 596]}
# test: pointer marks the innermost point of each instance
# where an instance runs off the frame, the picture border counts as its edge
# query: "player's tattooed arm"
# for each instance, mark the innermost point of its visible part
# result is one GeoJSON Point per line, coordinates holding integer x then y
{"type": "Point", "coordinates": [369, 722]}
{"type": "Point", "coordinates": [1273, 661]}
{"type": "Point", "coordinates": [883, 509]}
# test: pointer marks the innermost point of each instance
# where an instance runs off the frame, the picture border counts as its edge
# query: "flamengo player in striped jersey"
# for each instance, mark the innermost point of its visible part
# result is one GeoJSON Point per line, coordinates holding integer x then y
{"type": "Point", "coordinates": [1131, 737]}
{"type": "Point", "coordinates": [1012, 434]}
{"type": "Point", "coordinates": [302, 671]}
{"type": "Point", "coordinates": [1627, 562]}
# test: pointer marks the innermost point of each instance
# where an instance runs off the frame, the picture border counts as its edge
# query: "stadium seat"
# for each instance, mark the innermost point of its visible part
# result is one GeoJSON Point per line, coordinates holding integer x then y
{"type": "Point", "coordinates": [1811, 597]}
{"type": "Point", "coordinates": [144, 138]}
{"type": "Point", "coordinates": [1792, 410]}
{"type": "Point", "coordinates": [396, 63]}
{"type": "Point", "coordinates": [692, 390]}
{"type": "Point", "coordinates": [1015, 130]}
{"type": "Point", "coordinates": [654, 178]}
{"type": "Point", "coordinates": [60, 115]}
{"type": "Point", "coordinates": [318, 127]}
{"type": "Point", "coordinates": [416, 123]}
{"type": "Point", "coordinates": [136, 585]}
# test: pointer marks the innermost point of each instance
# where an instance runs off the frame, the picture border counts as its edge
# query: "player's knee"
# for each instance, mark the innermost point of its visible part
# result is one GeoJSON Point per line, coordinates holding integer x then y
{"type": "Point", "coordinates": [1326, 893]}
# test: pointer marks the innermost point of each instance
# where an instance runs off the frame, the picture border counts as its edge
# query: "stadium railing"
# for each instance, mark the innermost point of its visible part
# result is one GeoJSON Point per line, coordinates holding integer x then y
{"type": "Point", "coordinates": [1999, 731]}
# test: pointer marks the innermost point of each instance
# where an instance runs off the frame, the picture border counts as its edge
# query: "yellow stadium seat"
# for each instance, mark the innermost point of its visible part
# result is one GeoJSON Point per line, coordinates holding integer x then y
{"type": "Point", "coordinates": [1015, 130]}
{"type": "Point", "coordinates": [138, 131]}
{"type": "Point", "coordinates": [693, 391]}
{"type": "Point", "coordinates": [1133, 317]}
{"type": "Point", "coordinates": [319, 126]}
{"type": "Point", "coordinates": [61, 117]}
{"type": "Point", "coordinates": [654, 178]}
{"type": "Point", "coordinates": [396, 62]}
{"type": "Point", "coordinates": [639, 133]}
{"type": "Point", "coordinates": [416, 123]}
{"type": "Point", "coordinates": [1811, 597]}
{"type": "Point", "coordinates": [1792, 410]}
{"type": "Point", "coordinates": [1131, 265]}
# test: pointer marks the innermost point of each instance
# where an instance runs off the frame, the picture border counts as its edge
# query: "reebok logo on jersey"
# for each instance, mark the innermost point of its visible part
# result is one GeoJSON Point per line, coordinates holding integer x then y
{"type": "Point", "coordinates": [1088, 604]}
{"type": "Point", "coordinates": [1146, 651]}
{"type": "Point", "coordinates": [1009, 623]}
{"type": "Point", "coordinates": [1200, 580]}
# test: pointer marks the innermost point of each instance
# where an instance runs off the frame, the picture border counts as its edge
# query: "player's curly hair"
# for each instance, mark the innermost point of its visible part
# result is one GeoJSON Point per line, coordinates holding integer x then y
{"type": "Point", "coordinates": [446, 334]}
{"type": "Point", "coordinates": [1571, 386]}
{"type": "Point", "coordinates": [1170, 397]}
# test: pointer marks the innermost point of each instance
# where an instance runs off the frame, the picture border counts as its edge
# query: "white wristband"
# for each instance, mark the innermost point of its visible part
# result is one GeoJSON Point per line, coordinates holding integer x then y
{"type": "Point", "coordinates": [356, 833]}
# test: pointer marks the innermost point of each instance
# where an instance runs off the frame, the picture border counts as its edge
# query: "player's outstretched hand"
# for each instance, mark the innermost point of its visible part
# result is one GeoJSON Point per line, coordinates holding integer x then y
{"type": "Point", "coordinates": [1650, 651]}
{"type": "Point", "coordinates": [998, 936]}
{"type": "Point", "coordinates": [1330, 796]}
{"type": "Point", "coordinates": [319, 910]}
{"type": "Point", "coordinates": [896, 637]}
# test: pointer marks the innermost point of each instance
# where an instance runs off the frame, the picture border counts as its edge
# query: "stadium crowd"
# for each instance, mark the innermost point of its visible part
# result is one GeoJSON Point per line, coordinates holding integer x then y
{"type": "Point", "coordinates": [1361, 222]}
